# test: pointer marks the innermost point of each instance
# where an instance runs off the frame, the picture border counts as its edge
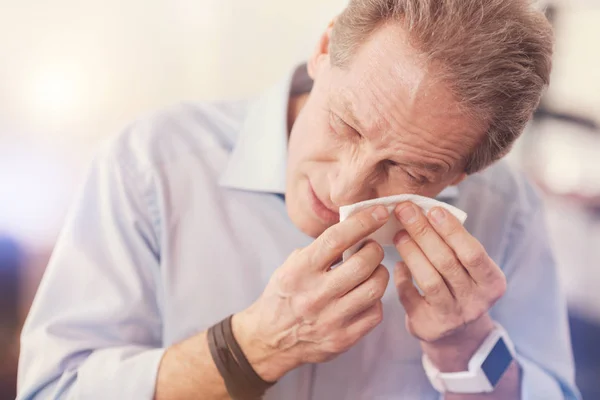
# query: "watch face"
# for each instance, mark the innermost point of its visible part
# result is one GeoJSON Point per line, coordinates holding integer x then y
{"type": "Point", "coordinates": [497, 362]}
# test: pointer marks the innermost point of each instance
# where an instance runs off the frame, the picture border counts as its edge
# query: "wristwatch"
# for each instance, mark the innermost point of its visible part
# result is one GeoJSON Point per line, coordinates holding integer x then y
{"type": "Point", "coordinates": [485, 368]}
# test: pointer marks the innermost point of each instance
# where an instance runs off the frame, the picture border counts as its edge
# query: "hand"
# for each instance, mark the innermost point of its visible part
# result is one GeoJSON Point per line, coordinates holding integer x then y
{"type": "Point", "coordinates": [309, 312]}
{"type": "Point", "coordinates": [458, 279]}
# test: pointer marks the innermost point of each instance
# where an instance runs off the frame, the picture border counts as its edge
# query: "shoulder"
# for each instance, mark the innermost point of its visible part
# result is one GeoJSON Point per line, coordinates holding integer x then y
{"type": "Point", "coordinates": [500, 184]}
{"type": "Point", "coordinates": [500, 203]}
{"type": "Point", "coordinates": [182, 131]}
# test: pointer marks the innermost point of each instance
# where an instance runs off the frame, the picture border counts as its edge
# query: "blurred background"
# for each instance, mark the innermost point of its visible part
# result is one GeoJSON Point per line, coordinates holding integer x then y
{"type": "Point", "coordinates": [75, 72]}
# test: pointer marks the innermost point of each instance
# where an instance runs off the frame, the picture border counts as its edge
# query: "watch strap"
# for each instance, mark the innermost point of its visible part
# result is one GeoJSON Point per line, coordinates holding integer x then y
{"type": "Point", "coordinates": [474, 380]}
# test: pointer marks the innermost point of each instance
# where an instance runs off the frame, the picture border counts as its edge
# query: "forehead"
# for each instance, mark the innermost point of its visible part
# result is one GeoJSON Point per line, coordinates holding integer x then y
{"type": "Point", "coordinates": [388, 88]}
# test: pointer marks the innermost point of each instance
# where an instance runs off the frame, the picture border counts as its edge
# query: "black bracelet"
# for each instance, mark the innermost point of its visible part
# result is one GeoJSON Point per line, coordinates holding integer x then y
{"type": "Point", "coordinates": [241, 380]}
{"type": "Point", "coordinates": [224, 360]}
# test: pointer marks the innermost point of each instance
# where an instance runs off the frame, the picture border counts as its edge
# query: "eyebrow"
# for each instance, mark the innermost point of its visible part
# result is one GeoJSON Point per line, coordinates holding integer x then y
{"type": "Point", "coordinates": [435, 168]}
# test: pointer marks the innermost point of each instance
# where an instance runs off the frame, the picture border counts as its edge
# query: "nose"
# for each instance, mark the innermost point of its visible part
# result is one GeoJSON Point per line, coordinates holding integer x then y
{"type": "Point", "coordinates": [351, 183]}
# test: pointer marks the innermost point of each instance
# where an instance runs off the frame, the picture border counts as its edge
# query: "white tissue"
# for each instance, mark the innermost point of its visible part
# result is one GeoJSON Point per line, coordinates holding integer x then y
{"type": "Point", "coordinates": [385, 235]}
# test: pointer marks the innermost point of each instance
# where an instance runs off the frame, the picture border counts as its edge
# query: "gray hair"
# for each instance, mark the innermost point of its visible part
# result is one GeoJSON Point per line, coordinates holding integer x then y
{"type": "Point", "coordinates": [494, 55]}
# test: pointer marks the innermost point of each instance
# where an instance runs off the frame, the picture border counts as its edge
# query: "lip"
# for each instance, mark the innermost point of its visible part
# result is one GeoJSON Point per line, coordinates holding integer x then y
{"type": "Point", "coordinates": [324, 213]}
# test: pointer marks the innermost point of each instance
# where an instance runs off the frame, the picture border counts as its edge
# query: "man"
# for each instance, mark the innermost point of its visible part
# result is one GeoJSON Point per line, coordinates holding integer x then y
{"type": "Point", "coordinates": [182, 222]}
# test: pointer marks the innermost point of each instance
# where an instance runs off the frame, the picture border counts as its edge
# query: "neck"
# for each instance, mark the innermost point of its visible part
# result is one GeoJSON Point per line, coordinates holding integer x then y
{"type": "Point", "coordinates": [295, 105]}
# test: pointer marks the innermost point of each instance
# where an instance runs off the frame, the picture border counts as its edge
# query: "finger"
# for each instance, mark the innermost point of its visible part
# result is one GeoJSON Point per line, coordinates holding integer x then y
{"type": "Point", "coordinates": [469, 251]}
{"type": "Point", "coordinates": [355, 270]}
{"type": "Point", "coordinates": [365, 321]}
{"type": "Point", "coordinates": [433, 246]}
{"type": "Point", "coordinates": [429, 280]}
{"type": "Point", "coordinates": [442, 257]}
{"type": "Point", "coordinates": [335, 240]}
{"type": "Point", "coordinates": [407, 292]}
{"type": "Point", "coordinates": [354, 329]}
{"type": "Point", "coordinates": [364, 295]}
{"type": "Point", "coordinates": [438, 252]}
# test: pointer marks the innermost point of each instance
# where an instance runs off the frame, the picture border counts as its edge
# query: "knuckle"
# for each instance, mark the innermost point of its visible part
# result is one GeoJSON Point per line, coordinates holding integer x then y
{"type": "Point", "coordinates": [286, 279]}
{"type": "Point", "coordinates": [449, 264]}
{"type": "Point", "coordinates": [420, 228]}
{"type": "Point", "coordinates": [382, 277]}
{"type": "Point", "coordinates": [499, 288]}
{"type": "Point", "coordinates": [378, 283]}
{"type": "Point", "coordinates": [432, 287]}
{"type": "Point", "coordinates": [364, 222]}
{"type": "Point", "coordinates": [377, 316]}
{"type": "Point", "coordinates": [372, 293]}
{"type": "Point", "coordinates": [359, 264]}
{"type": "Point", "coordinates": [330, 241]}
{"type": "Point", "coordinates": [375, 250]}
{"type": "Point", "coordinates": [367, 258]}
{"type": "Point", "coordinates": [338, 342]}
{"type": "Point", "coordinates": [452, 228]}
{"type": "Point", "coordinates": [334, 285]}
{"type": "Point", "coordinates": [476, 257]}
{"type": "Point", "coordinates": [384, 274]}
{"type": "Point", "coordinates": [502, 285]}
{"type": "Point", "coordinates": [299, 257]}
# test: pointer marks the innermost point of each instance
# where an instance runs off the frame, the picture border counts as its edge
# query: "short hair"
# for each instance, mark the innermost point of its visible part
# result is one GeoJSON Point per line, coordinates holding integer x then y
{"type": "Point", "coordinates": [494, 55]}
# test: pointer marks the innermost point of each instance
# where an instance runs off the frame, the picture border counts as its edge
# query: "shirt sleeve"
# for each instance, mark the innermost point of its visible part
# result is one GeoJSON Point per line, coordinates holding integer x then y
{"type": "Point", "coordinates": [94, 329]}
{"type": "Point", "coordinates": [534, 312]}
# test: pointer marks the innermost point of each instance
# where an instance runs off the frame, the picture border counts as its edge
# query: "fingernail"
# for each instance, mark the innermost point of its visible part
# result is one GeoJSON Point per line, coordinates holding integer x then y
{"type": "Point", "coordinates": [438, 216]}
{"type": "Point", "coordinates": [407, 214]}
{"type": "Point", "coordinates": [380, 213]}
{"type": "Point", "coordinates": [401, 237]}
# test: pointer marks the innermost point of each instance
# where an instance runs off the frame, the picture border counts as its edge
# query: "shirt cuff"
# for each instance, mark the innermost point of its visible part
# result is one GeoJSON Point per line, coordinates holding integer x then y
{"type": "Point", "coordinates": [120, 373]}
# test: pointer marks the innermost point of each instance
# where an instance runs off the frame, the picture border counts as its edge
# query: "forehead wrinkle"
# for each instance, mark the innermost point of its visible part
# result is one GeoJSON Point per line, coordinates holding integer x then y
{"type": "Point", "coordinates": [404, 143]}
{"type": "Point", "coordinates": [447, 139]}
{"type": "Point", "coordinates": [368, 127]}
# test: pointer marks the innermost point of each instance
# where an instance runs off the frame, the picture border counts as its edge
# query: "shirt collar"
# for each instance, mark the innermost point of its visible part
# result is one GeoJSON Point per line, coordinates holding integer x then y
{"type": "Point", "coordinates": [259, 158]}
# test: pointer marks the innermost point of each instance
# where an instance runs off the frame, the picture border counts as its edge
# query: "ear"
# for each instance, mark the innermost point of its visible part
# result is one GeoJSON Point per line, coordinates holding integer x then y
{"type": "Point", "coordinates": [321, 52]}
{"type": "Point", "coordinates": [459, 179]}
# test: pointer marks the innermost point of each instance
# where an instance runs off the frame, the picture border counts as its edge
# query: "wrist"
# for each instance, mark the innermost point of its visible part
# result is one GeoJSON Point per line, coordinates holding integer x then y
{"type": "Point", "coordinates": [269, 362]}
{"type": "Point", "coordinates": [453, 353]}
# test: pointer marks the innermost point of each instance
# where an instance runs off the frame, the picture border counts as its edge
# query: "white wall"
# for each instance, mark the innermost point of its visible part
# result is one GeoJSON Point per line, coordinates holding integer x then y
{"type": "Point", "coordinates": [73, 72]}
{"type": "Point", "coordinates": [575, 82]}
{"type": "Point", "coordinates": [82, 67]}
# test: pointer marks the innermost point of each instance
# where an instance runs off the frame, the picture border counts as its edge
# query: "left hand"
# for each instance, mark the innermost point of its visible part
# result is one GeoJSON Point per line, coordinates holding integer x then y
{"type": "Point", "coordinates": [459, 281]}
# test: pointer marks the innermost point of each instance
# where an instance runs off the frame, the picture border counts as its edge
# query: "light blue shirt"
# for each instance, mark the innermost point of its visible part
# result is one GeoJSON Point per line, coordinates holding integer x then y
{"type": "Point", "coordinates": [177, 226]}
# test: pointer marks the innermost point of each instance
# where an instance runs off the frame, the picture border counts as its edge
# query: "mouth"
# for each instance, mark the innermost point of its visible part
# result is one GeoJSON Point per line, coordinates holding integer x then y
{"type": "Point", "coordinates": [326, 214]}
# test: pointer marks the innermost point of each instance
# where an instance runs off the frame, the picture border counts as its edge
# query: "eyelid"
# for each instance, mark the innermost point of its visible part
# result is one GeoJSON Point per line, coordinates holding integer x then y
{"type": "Point", "coordinates": [340, 121]}
{"type": "Point", "coordinates": [334, 119]}
{"type": "Point", "coordinates": [333, 116]}
{"type": "Point", "coordinates": [421, 180]}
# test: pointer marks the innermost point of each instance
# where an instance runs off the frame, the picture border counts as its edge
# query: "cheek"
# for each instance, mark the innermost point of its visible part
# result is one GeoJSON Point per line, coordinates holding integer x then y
{"type": "Point", "coordinates": [311, 139]}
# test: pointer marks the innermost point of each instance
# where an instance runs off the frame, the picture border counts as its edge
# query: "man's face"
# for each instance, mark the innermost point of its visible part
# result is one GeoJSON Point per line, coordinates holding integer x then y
{"type": "Point", "coordinates": [377, 128]}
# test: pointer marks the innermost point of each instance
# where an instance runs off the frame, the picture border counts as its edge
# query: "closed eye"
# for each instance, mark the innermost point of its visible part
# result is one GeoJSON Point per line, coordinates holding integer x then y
{"type": "Point", "coordinates": [421, 180]}
{"type": "Point", "coordinates": [339, 125]}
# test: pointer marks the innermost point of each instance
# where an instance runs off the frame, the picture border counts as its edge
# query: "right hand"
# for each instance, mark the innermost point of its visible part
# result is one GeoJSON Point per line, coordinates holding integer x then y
{"type": "Point", "coordinates": [310, 313]}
